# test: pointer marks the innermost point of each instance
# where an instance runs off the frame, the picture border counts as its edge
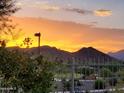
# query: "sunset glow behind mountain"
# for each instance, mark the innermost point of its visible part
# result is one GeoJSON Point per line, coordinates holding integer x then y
{"type": "Point", "coordinates": [70, 24]}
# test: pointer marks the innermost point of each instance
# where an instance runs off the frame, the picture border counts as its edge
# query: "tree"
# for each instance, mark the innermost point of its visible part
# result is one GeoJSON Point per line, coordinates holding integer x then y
{"type": "Point", "coordinates": [10, 65]}
{"type": "Point", "coordinates": [66, 85]}
{"type": "Point", "coordinates": [36, 76]}
{"type": "Point", "coordinates": [85, 70]}
{"type": "Point", "coordinates": [105, 72]}
{"type": "Point", "coordinates": [113, 81]}
{"type": "Point", "coordinates": [27, 41]}
{"type": "Point", "coordinates": [45, 76]}
{"type": "Point", "coordinates": [114, 67]}
{"type": "Point", "coordinates": [31, 75]}
{"type": "Point", "coordinates": [2, 43]}
{"type": "Point", "coordinates": [7, 8]}
{"type": "Point", "coordinates": [120, 74]}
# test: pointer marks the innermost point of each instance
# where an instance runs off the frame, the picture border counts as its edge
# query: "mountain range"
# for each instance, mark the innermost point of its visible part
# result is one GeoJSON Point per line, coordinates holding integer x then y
{"type": "Point", "coordinates": [86, 54]}
{"type": "Point", "coordinates": [118, 55]}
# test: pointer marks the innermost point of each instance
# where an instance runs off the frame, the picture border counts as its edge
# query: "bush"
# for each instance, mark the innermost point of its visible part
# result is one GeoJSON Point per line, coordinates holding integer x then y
{"type": "Point", "coordinates": [113, 81]}
{"type": "Point", "coordinates": [66, 85]}
{"type": "Point", "coordinates": [85, 71]}
{"type": "Point", "coordinates": [77, 82]}
{"type": "Point", "coordinates": [99, 84]}
{"type": "Point", "coordinates": [31, 75]}
{"type": "Point", "coordinates": [105, 73]}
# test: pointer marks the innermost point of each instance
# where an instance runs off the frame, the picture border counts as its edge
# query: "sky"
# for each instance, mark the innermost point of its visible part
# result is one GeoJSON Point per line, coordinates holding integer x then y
{"type": "Point", "coordinates": [71, 24]}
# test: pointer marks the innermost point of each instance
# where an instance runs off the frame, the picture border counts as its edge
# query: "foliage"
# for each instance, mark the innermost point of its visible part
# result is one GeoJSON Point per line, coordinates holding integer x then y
{"type": "Point", "coordinates": [27, 42]}
{"type": "Point", "coordinates": [7, 28]}
{"type": "Point", "coordinates": [114, 67]}
{"type": "Point", "coordinates": [66, 85]}
{"type": "Point", "coordinates": [113, 81]}
{"type": "Point", "coordinates": [32, 75]}
{"type": "Point", "coordinates": [105, 72]}
{"type": "Point", "coordinates": [2, 43]}
{"type": "Point", "coordinates": [77, 82]}
{"type": "Point", "coordinates": [7, 8]}
{"type": "Point", "coordinates": [9, 63]}
{"type": "Point", "coordinates": [120, 73]}
{"type": "Point", "coordinates": [99, 84]}
{"type": "Point", "coordinates": [85, 71]}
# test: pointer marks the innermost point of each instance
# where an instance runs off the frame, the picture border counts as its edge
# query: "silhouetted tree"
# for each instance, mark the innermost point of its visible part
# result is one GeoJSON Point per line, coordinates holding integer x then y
{"type": "Point", "coordinates": [7, 8]}
{"type": "Point", "coordinates": [27, 41]}
{"type": "Point", "coordinates": [3, 43]}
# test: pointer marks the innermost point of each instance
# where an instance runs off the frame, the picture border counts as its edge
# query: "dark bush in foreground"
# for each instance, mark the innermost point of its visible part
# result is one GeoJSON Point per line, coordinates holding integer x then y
{"type": "Point", "coordinates": [99, 84]}
{"type": "Point", "coordinates": [66, 85]}
{"type": "Point", "coordinates": [113, 82]}
{"type": "Point", "coordinates": [31, 75]}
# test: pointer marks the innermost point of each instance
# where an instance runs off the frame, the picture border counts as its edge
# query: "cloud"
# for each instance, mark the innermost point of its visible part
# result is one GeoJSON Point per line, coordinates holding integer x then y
{"type": "Point", "coordinates": [45, 5]}
{"type": "Point", "coordinates": [41, 2]}
{"type": "Point", "coordinates": [79, 11]}
{"type": "Point", "coordinates": [50, 7]}
{"type": "Point", "coordinates": [19, 4]}
{"type": "Point", "coordinates": [103, 12]}
{"type": "Point", "coordinates": [100, 12]}
{"type": "Point", "coordinates": [58, 8]}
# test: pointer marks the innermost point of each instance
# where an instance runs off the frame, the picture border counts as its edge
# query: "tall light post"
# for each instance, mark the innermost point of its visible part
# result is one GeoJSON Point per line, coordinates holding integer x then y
{"type": "Point", "coordinates": [73, 72]}
{"type": "Point", "coordinates": [39, 36]}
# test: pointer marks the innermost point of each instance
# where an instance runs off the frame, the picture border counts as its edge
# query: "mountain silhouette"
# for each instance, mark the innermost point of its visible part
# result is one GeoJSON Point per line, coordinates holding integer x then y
{"type": "Point", "coordinates": [118, 55]}
{"type": "Point", "coordinates": [53, 54]}
{"type": "Point", "coordinates": [92, 54]}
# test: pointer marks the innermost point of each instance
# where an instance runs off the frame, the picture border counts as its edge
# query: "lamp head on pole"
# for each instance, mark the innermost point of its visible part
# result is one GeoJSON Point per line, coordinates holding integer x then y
{"type": "Point", "coordinates": [37, 34]}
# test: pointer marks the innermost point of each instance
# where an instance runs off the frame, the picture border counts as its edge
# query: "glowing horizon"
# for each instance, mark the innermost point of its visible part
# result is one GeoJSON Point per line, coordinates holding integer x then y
{"type": "Point", "coordinates": [67, 36]}
{"type": "Point", "coordinates": [70, 24]}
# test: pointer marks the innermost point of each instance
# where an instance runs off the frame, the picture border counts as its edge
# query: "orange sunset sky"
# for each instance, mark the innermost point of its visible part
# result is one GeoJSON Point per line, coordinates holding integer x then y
{"type": "Point", "coordinates": [70, 25]}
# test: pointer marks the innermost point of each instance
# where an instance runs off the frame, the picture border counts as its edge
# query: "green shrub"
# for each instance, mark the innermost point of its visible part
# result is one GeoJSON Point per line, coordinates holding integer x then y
{"type": "Point", "coordinates": [99, 84]}
{"type": "Point", "coordinates": [66, 85]}
{"type": "Point", "coordinates": [105, 72]}
{"type": "Point", "coordinates": [85, 71]}
{"type": "Point", "coordinates": [113, 81]}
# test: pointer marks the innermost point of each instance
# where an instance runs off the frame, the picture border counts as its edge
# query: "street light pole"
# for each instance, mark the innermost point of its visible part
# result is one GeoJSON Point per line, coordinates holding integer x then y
{"type": "Point", "coordinates": [73, 71]}
{"type": "Point", "coordinates": [39, 40]}
{"type": "Point", "coordinates": [39, 37]}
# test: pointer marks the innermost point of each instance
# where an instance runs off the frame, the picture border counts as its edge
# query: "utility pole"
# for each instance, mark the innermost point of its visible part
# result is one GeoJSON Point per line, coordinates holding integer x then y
{"type": "Point", "coordinates": [39, 36]}
{"type": "Point", "coordinates": [73, 72]}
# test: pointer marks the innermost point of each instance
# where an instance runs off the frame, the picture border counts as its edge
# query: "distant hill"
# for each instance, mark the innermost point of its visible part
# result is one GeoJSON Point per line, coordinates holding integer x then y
{"type": "Point", "coordinates": [118, 55]}
{"type": "Point", "coordinates": [51, 53]}
{"type": "Point", "coordinates": [86, 55]}
{"type": "Point", "coordinates": [91, 54]}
